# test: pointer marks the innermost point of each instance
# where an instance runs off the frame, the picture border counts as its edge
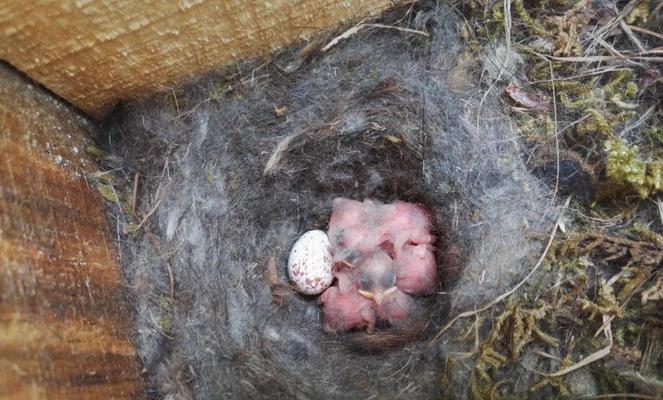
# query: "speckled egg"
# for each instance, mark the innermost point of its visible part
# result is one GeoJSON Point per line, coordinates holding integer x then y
{"type": "Point", "coordinates": [310, 263]}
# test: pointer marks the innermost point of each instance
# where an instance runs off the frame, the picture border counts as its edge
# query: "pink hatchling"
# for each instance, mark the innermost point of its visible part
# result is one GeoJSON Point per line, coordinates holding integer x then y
{"type": "Point", "coordinates": [383, 253]}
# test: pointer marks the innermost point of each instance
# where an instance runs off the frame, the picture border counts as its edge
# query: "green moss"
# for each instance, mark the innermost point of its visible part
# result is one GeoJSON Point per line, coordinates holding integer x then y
{"type": "Point", "coordinates": [581, 102]}
{"type": "Point", "coordinates": [577, 265]}
{"type": "Point", "coordinates": [614, 86]}
{"type": "Point", "coordinates": [568, 87]}
{"type": "Point", "coordinates": [165, 320]}
{"type": "Point", "coordinates": [655, 133]}
{"type": "Point", "coordinates": [609, 381]}
{"type": "Point", "coordinates": [109, 194]}
{"type": "Point", "coordinates": [647, 234]}
{"type": "Point", "coordinates": [96, 153]}
{"type": "Point", "coordinates": [639, 15]}
{"type": "Point", "coordinates": [631, 90]}
{"type": "Point", "coordinates": [525, 16]}
{"type": "Point", "coordinates": [595, 123]}
{"type": "Point", "coordinates": [625, 168]}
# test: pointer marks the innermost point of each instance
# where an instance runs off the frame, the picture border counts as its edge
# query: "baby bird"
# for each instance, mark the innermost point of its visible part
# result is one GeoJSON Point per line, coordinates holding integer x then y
{"type": "Point", "coordinates": [402, 230]}
{"type": "Point", "coordinates": [376, 280]}
{"type": "Point", "coordinates": [345, 308]}
{"type": "Point", "coordinates": [364, 293]}
{"type": "Point", "coordinates": [383, 253]}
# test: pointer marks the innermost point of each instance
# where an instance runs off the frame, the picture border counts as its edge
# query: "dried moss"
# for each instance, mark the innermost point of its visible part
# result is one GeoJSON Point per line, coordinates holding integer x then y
{"type": "Point", "coordinates": [557, 382]}
{"type": "Point", "coordinates": [601, 116]}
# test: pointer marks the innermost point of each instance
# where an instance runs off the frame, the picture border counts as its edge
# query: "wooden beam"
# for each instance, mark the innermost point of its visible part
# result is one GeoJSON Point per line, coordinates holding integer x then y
{"type": "Point", "coordinates": [96, 52]}
{"type": "Point", "coordinates": [64, 322]}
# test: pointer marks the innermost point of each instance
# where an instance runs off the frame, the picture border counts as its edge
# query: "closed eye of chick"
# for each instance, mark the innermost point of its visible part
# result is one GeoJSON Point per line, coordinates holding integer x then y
{"type": "Point", "coordinates": [376, 278]}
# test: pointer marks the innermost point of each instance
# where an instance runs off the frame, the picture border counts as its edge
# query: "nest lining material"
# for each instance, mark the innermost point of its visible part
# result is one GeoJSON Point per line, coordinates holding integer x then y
{"type": "Point", "coordinates": [232, 181]}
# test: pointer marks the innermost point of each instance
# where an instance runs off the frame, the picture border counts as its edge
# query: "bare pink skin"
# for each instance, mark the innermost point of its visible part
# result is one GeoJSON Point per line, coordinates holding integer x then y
{"type": "Point", "coordinates": [396, 308]}
{"type": "Point", "coordinates": [376, 275]}
{"type": "Point", "coordinates": [417, 272]}
{"type": "Point", "coordinates": [401, 229]}
{"type": "Point", "coordinates": [374, 242]}
{"type": "Point", "coordinates": [345, 308]}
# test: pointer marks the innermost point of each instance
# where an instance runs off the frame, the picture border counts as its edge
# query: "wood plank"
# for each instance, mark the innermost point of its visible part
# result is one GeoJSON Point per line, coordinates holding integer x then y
{"type": "Point", "coordinates": [64, 323]}
{"type": "Point", "coordinates": [95, 52]}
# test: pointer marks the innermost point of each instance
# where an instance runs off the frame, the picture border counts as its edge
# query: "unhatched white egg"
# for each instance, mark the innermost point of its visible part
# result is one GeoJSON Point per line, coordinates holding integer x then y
{"type": "Point", "coordinates": [310, 262]}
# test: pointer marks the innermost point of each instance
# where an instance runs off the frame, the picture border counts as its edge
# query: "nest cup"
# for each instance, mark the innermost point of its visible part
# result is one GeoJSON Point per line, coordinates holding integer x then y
{"type": "Point", "coordinates": [369, 163]}
{"type": "Point", "coordinates": [234, 168]}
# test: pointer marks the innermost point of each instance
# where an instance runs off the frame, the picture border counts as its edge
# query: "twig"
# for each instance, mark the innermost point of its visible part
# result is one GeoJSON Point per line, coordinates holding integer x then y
{"type": "Point", "coordinates": [552, 81]}
{"type": "Point", "coordinates": [135, 193]}
{"type": "Point", "coordinates": [280, 149]}
{"type": "Point", "coordinates": [355, 29]}
{"type": "Point", "coordinates": [631, 36]}
{"type": "Point", "coordinates": [510, 292]}
{"type": "Point", "coordinates": [645, 31]}
{"type": "Point", "coordinates": [626, 300]}
{"type": "Point", "coordinates": [546, 355]}
{"type": "Point", "coordinates": [507, 25]}
{"type": "Point", "coordinates": [612, 24]}
{"type": "Point", "coordinates": [618, 396]}
{"type": "Point", "coordinates": [607, 330]}
{"type": "Point", "coordinates": [582, 363]}
{"type": "Point", "coordinates": [607, 46]}
{"type": "Point", "coordinates": [169, 269]}
{"type": "Point", "coordinates": [591, 59]}
{"type": "Point", "coordinates": [146, 217]}
{"type": "Point", "coordinates": [639, 122]}
{"type": "Point", "coordinates": [587, 360]}
{"type": "Point", "coordinates": [398, 28]}
{"type": "Point", "coordinates": [151, 235]}
{"type": "Point", "coordinates": [177, 104]}
{"type": "Point", "coordinates": [597, 71]}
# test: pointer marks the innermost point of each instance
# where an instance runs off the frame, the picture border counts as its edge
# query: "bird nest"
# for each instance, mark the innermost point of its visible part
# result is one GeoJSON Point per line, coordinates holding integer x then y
{"type": "Point", "coordinates": [227, 172]}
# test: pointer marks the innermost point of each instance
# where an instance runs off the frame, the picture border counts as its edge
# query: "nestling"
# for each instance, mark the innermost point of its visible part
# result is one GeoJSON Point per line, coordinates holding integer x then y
{"type": "Point", "coordinates": [383, 253]}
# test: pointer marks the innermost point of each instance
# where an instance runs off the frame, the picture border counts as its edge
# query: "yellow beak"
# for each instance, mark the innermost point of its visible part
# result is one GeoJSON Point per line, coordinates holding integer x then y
{"type": "Point", "coordinates": [378, 296]}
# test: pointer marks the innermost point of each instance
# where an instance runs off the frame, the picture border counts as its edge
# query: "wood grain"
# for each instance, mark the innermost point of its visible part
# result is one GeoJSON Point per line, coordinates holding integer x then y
{"type": "Point", "coordinates": [64, 322]}
{"type": "Point", "coordinates": [96, 52]}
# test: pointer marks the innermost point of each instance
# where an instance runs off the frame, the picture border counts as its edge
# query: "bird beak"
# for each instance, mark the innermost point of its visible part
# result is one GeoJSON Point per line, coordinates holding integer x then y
{"type": "Point", "coordinates": [367, 294]}
{"type": "Point", "coordinates": [379, 296]}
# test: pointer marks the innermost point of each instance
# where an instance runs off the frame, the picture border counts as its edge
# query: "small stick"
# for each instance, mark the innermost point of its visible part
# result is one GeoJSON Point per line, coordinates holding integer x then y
{"type": "Point", "coordinates": [169, 269]}
{"type": "Point", "coordinates": [587, 360]}
{"type": "Point", "coordinates": [280, 149]}
{"type": "Point", "coordinates": [626, 300]}
{"type": "Point", "coordinates": [177, 104]}
{"type": "Point", "coordinates": [146, 217]}
{"type": "Point", "coordinates": [552, 81]}
{"type": "Point", "coordinates": [507, 56]}
{"type": "Point", "coordinates": [353, 31]}
{"type": "Point", "coordinates": [645, 31]}
{"type": "Point", "coordinates": [135, 193]}
{"type": "Point", "coordinates": [631, 36]}
{"type": "Point", "coordinates": [398, 28]}
{"type": "Point", "coordinates": [591, 59]}
{"type": "Point", "coordinates": [619, 395]}
{"type": "Point", "coordinates": [597, 71]}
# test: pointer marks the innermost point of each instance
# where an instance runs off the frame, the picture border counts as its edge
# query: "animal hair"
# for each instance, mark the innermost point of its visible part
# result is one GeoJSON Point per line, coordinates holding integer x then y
{"type": "Point", "coordinates": [232, 183]}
